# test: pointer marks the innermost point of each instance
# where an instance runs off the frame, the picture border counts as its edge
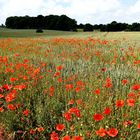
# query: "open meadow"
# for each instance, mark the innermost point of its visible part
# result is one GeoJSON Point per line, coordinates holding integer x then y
{"type": "Point", "coordinates": [69, 85]}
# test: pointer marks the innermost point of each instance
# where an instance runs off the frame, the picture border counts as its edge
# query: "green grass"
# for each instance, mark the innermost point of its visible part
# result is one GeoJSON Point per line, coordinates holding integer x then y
{"type": "Point", "coordinates": [31, 33]}
{"type": "Point", "coordinates": [21, 33]}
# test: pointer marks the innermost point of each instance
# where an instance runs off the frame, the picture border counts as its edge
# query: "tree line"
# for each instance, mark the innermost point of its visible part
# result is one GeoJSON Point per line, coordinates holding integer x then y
{"type": "Point", "coordinates": [111, 27]}
{"type": "Point", "coordinates": [65, 23]}
{"type": "Point", "coordinates": [51, 22]}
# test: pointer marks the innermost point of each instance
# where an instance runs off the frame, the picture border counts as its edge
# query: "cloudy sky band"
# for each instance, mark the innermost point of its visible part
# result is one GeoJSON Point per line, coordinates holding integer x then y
{"type": "Point", "coordinates": [84, 11]}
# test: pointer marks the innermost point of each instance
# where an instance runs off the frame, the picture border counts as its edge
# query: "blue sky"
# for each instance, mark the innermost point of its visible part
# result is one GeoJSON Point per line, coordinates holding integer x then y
{"type": "Point", "coordinates": [84, 11]}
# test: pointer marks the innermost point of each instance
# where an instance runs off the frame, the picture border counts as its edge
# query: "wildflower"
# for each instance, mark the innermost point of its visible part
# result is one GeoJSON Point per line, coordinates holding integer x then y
{"type": "Point", "coordinates": [66, 138]}
{"type": "Point", "coordinates": [71, 102]}
{"type": "Point", "coordinates": [138, 126]}
{"type": "Point", "coordinates": [20, 87]}
{"type": "Point", "coordinates": [54, 136]}
{"type": "Point", "coordinates": [108, 83]}
{"type": "Point", "coordinates": [113, 132]}
{"type": "Point", "coordinates": [119, 103]}
{"type": "Point", "coordinates": [11, 96]}
{"type": "Point", "coordinates": [132, 95]}
{"type": "Point", "coordinates": [97, 91]}
{"type": "Point", "coordinates": [12, 79]}
{"type": "Point", "coordinates": [11, 107]}
{"type": "Point", "coordinates": [1, 96]}
{"type": "Point", "coordinates": [26, 112]}
{"type": "Point", "coordinates": [1, 90]}
{"type": "Point", "coordinates": [59, 80]}
{"type": "Point", "coordinates": [60, 127]}
{"type": "Point", "coordinates": [107, 111]}
{"type": "Point", "coordinates": [7, 87]}
{"type": "Point", "coordinates": [98, 117]}
{"type": "Point", "coordinates": [67, 116]}
{"type": "Point", "coordinates": [32, 131]}
{"type": "Point", "coordinates": [77, 138]}
{"type": "Point", "coordinates": [131, 102]}
{"type": "Point", "coordinates": [69, 87]}
{"type": "Point", "coordinates": [57, 74]}
{"type": "Point", "coordinates": [77, 89]}
{"type": "Point", "coordinates": [101, 132]}
{"type": "Point", "coordinates": [59, 68]}
{"type": "Point", "coordinates": [40, 129]}
{"type": "Point", "coordinates": [51, 91]}
{"type": "Point", "coordinates": [127, 123]}
{"type": "Point", "coordinates": [136, 87]}
{"type": "Point", "coordinates": [76, 111]}
{"type": "Point", "coordinates": [1, 109]}
{"type": "Point", "coordinates": [124, 81]}
{"type": "Point", "coordinates": [79, 101]}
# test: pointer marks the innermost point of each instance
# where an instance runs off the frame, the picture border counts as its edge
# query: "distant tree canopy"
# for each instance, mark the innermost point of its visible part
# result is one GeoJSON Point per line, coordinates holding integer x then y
{"type": "Point", "coordinates": [51, 22]}
{"type": "Point", "coordinates": [111, 27]}
{"type": "Point", "coordinates": [114, 27]}
{"type": "Point", "coordinates": [88, 27]}
{"type": "Point", "coordinates": [64, 23]}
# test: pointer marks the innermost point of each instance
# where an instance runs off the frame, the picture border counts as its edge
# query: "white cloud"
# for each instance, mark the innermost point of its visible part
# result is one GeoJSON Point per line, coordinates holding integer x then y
{"type": "Point", "coordinates": [92, 11]}
{"type": "Point", "coordinates": [135, 8]}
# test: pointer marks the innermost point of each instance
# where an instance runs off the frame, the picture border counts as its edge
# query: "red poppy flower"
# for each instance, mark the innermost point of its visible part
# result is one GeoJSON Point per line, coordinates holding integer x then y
{"type": "Point", "coordinates": [20, 87]}
{"type": "Point", "coordinates": [71, 102]}
{"type": "Point", "coordinates": [77, 89]}
{"type": "Point", "coordinates": [1, 96]}
{"type": "Point", "coordinates": [51, 91]}
{"type": "Point", "coordinates": [124, 81]}
{"type": "Point", "coordinates": [57, 74]}
{"type": "Point", "coordinates": [7, 87]}
{"type": "Point", "coordinates": [67, 116]}
{"type": "Point", "coordinates": [1, 109]}
{"type": "Point", "coordinates": [127, 123]}
{"type": "Point", "coordinates": [131, 102]}
{"type": "Point", "coordinates": [120, 103]}
{"type": "Point", "coordinates": [80, 83]}
{"type": "Point", "coordinates": [60, 80]}
{"type": "Point", "coordinates": [69, 87]}
{"type": "Point", "coordinates": [13, 79]}
{"type": "Point", "coordinates": [76, 111]}
{"type": "Point", "coordinates": [32, 131]}
{"type": "Point", "coordinates": [40, 129]}
{"type": "Point", "coordinates": [113, 132]}
{"type": "Point", "coordinates": [77, 138]}
{"type": "Point", "coordinates": [66, 138]}
{"type": "Point", "coordinates": [132, 95]}
{"type": "Point", "coordinates": [136, 87]}
{"type": "Point", "coordinates": [101, 132]}
{"type": "Point", "coordinates": [138, 125]}
{"type": "Point", "coordinates": [11, 96]}
{"type": "Point", "coordinates": [98, 117]}
{"type": "Point", "coordinates": [60, 127]}
{"type": "Point", "coordinates": [97, 91]}
{"type": "Point", "coordinates": [26, 112]}
{"type": "Point", "coordinates": [79, 101]}
{"type": "Point", "coordinates": [11, 107]}
{"type": "Point", "coordinates": [54, 136]}
{"type": "Point", "coordinates": [107, 111]}
{"type": "Point", "coordinates": [59, 68]}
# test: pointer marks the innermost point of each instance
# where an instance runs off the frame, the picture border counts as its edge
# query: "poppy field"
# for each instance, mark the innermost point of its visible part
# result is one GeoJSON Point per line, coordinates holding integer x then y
{"type": "Point", "coordinates": [69, 89]}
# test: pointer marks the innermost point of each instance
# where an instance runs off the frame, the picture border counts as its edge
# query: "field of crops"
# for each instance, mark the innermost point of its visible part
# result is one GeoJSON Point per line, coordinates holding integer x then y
{"type": "Point", "coordinates": [74, 88]}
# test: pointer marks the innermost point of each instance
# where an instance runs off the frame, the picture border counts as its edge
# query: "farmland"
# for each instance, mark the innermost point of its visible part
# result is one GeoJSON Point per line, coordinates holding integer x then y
{"type": "Point", "coordinates": [69, 85]}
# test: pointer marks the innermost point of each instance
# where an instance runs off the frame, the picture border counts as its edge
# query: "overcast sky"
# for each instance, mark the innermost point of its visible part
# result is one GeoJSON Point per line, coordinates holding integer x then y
{"type": "Point", "coordinates": [84, 11]}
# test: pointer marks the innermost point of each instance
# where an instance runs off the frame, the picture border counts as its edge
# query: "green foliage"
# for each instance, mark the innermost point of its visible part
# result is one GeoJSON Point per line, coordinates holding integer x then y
{"type": "Point", "coordinates": [39, 31]}
{"type": "Point", "coordinates": [88, 27]}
